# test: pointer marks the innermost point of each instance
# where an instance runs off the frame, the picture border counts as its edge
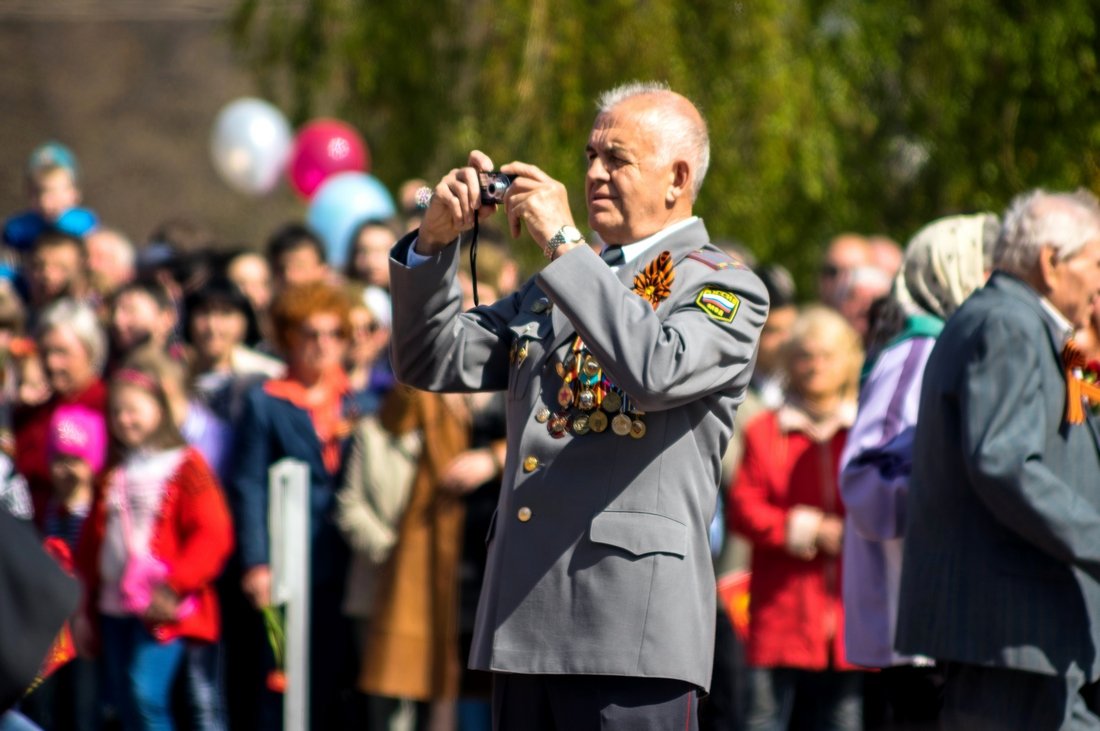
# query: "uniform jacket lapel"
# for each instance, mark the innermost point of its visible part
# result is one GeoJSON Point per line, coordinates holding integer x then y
{"type": "Point", "coordinates": [1057, 337]}
{"type": "Point", "coordinates": [679, 245]}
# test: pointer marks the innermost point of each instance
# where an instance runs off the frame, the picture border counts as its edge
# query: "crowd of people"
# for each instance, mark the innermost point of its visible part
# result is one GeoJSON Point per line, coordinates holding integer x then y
{"type": "Point", "coordinates": [148, 388]}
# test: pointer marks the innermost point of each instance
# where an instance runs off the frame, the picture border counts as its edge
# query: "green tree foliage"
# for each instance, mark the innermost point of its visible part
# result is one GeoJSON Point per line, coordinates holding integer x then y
{"type": "Point", "coordinates": [824, 116]}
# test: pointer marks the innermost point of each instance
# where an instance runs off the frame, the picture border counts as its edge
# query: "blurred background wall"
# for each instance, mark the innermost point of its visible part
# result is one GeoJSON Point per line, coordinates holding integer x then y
{"type": "Point", "coordinates": [132, 87]}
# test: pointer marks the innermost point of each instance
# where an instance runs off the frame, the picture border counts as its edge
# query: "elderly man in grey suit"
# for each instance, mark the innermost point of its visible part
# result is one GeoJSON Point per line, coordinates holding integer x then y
{"type": "Point", "coordinates": [623, 377]}
{"type": "Point", "coordinates": [1001, 576]}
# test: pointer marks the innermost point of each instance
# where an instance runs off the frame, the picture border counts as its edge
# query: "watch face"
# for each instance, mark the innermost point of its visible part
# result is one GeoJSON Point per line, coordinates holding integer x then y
{"type": "Point", "coordinates": [571, 234]}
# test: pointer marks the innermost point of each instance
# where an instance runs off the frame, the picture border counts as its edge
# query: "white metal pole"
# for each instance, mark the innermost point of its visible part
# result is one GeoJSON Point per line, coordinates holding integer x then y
{"type": "Point", "coordinates": [288, 525]}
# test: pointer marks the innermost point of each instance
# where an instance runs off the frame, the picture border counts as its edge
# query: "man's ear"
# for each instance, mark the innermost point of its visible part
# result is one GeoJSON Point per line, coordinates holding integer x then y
{"type": "Point", "coordinates": [1048, 268]}
{"type": "Point", "coordinates": [678, 185]}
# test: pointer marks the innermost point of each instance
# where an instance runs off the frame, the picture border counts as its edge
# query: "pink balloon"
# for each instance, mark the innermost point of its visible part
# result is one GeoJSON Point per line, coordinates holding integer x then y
{"type": "Point", "coordinates": [323, 148]}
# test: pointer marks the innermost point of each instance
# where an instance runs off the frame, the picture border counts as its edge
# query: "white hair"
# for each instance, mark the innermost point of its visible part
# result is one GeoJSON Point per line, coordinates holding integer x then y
{"type": "Point", "coordinates": [123, 248]}
{"type": "Point", "coordinates": [79, 319]}
{"type": "Point", "coordinates": [1063, 221]}
{"type": "Point", "coordinates": [680, 133]}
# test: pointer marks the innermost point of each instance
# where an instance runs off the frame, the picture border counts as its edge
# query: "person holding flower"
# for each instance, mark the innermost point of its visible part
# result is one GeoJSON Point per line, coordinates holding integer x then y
{"type": "Point", "coordinates": [307, 416]}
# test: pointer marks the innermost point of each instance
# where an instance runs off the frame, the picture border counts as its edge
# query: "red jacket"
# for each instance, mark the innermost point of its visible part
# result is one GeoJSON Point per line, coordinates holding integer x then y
{"type": "Point", "coordinates": [796, 618]}
{"type": "Point", "coordinates": [193, 535]}
{"type": "Point", "coordinates": [32, 431]}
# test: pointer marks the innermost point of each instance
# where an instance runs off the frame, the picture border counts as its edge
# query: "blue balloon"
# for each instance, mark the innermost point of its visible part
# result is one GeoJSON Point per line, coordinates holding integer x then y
{"type": "Point", "coordinates": [340, 205]}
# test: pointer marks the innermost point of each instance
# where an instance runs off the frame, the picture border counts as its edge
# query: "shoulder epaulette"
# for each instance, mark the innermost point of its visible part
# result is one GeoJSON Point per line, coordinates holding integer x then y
{"type": "Point", "coordinates": [716, 260]}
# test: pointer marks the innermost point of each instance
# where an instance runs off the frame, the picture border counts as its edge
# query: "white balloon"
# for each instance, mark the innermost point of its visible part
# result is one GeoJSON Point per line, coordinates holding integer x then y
{"type": "Point", "coordinates": [250, 145]}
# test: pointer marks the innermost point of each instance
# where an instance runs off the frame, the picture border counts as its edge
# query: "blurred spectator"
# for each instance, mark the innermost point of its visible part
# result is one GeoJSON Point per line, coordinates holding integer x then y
{"type": "Point", "coordinates": [296, 256]}
{"type": "Point", "coordinates": [73, 348]}
{"type": "Point", "coordinates": [157, 536]}
{"type": "Point", "coordinates": [211, 437]}
{"type": "Point", "coordinates": [111, 260]}
{"type": "Point", "coordinates": [54, 193]}
{"type": "Point", "coordinates": [30, 375]}
{"type": "Point", "coordinates": [369, 262]}
{"type": "Point", "coordinates": [15, 497]}
{"type": "Point", "coordinates": [769, 378]}
{"type": "Point", "coordinates": [886, 255]}
{"type": "Point", "coordinates": [410, 655]}
{"type": "Point", "coordinates": [406, 196]}
{"type": "Point", "coordinates": [944, 262]}
{"type": "Point", "coordinates": [77, 450]}
{"type": "Point", "coordinates": [12, 347]}
{"type": "Point", "coordinates": [785, 501]}
{"type": "Point", "coordinates": [1089, 337]}
{"type": "Point", "coordinates": [52, 174]}
{"type": "Point", "coordinates": [142, 313]}
{"type": "Point", "coordinates": [367, 363]}
{"type": "Point", "coordinates": [178, 256]}
{"type": "Point", "coordinates": [303, 415]}
{"type": "Point", "coordinates": [220, 327]}
{"type": "Point", "coordinates": [58, 268]}
{"type": "Point", "coordinates": [252, 275]}
{"type": "Point", "coordinates": [862, 287]}
{"type": "Point", "coordinates": [496, 267]}
{"type": "Point", "coordinates": [181, 235]}
{"type": "Point", "coordinates": [1001, 573]}
{"type": "Point", "coordinates": [845, 253]}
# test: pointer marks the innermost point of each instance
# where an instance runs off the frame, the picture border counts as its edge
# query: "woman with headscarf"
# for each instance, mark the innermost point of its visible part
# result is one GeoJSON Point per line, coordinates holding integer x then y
{"type": "Point", "coordinates": [944, 263]}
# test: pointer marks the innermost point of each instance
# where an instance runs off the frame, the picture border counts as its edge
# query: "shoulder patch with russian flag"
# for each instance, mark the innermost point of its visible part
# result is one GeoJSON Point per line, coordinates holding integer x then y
{"type": "Point", "coordinates": [720, 304]}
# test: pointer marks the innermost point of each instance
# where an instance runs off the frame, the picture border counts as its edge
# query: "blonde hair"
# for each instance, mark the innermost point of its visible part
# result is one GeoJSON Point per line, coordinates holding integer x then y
{"type": "Point", "coordinates": [826, 324]}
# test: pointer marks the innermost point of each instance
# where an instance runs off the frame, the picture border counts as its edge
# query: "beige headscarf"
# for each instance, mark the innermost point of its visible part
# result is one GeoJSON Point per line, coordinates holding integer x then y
{"type": "Point", "coordinates": [943, 264]}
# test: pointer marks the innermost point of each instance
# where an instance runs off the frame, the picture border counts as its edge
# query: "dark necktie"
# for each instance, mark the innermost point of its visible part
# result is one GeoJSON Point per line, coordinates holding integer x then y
{"type": "Point", "coordinates": [613, 256]}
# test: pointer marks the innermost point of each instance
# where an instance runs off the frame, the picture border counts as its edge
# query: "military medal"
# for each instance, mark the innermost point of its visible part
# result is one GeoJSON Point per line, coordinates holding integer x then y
{"type": "Point", "coordinates": [596, 403]}
{"type": "Point", "coordinates": [597, 421]}
{"type": "Point", "coordinates": [587, 400]}
{"type": "Point", "coordinates": [621, 424]}
{"type": "Point", "coordinates": [542, 415]}
{"type": "Point", "coordinates": [557, 426]}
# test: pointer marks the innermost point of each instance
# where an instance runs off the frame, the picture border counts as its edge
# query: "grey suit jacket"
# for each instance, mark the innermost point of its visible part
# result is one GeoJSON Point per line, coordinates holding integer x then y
{"type": "Point", "coordinates": [611, 571]}
{"type": "Point", "coordinates": [1002, 554]}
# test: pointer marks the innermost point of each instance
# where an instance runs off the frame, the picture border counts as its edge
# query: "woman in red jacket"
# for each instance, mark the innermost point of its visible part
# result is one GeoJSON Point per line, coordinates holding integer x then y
{"type": "Point", "coordinates": [785, 501]}
{"type": "Point", "coordinates": [157, 536]}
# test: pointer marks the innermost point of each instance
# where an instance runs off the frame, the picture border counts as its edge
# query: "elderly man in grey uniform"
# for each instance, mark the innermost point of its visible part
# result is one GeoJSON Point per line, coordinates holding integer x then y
{"type": "Point", "coordinates": [1001, 575]}
{"type": "Point", "coordinates": [623, 377]}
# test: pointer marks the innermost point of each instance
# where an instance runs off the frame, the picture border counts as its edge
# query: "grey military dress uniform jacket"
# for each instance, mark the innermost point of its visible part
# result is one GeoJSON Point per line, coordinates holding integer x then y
{"type": "Point", "coordinates": [599, 560]}
{"type": "Point", "coordinates": [1002, 548]}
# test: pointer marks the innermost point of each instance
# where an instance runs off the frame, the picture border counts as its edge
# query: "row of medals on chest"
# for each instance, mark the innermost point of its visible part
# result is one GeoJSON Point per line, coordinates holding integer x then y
{"type": "Point", "coordinates": [590, 402]}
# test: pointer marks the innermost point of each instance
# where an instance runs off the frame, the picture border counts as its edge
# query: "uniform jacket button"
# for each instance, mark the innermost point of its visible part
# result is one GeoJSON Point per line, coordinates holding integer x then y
{"type": "Point", "coordinates": [524, 514]}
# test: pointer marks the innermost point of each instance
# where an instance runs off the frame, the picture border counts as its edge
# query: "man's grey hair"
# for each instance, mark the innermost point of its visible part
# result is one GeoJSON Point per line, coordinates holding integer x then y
{"type": "Point", "coordinates": [79, 319]}
{"type": "Point", "coordinates": [1063, 221]}
{"type": "Point", "coordinates": [680, 133]}
{"type": "Point", "coordinates": [124, 249]}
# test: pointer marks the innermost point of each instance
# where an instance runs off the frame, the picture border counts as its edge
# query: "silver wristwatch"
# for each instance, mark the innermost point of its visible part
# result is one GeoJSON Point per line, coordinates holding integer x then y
{"type": "Point", "coordinates": [565, 235]}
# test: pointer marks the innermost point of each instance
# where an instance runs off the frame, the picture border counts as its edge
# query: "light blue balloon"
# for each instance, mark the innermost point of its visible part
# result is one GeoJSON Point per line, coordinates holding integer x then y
{"type": "Point", "coordinates": [341, 204]}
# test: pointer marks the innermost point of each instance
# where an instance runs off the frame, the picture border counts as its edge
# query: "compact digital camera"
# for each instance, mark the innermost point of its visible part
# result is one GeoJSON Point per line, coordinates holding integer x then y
{"type": "Point", "coordinates": [493, 187]}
